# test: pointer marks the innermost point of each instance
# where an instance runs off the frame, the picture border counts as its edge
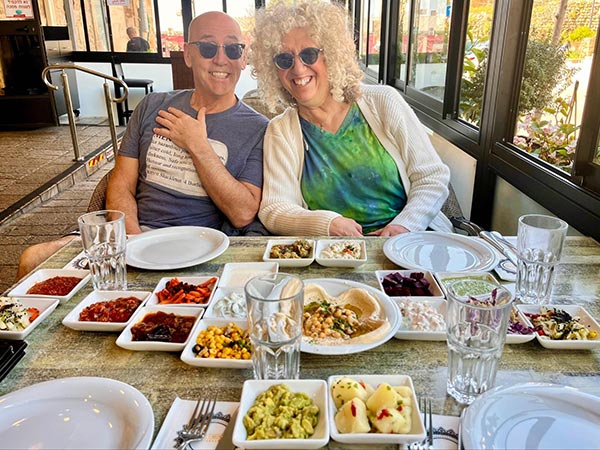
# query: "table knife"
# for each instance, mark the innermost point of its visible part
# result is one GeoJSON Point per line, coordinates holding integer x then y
{"type": "Point", "coordinates": [226, 443]}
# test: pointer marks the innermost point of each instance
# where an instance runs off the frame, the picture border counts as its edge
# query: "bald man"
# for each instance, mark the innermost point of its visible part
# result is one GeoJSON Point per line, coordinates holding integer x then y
{"type": "Point", "coordinates": [189, 157]}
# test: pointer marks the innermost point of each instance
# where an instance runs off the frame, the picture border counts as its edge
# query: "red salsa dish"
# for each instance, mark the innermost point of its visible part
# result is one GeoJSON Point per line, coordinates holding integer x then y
{"type": "Point", "coordinates": [118, 310]}
{"type": "Point", "coordinates": [54, 286]}
{"type": "Point", "coordinates": [163, 327]}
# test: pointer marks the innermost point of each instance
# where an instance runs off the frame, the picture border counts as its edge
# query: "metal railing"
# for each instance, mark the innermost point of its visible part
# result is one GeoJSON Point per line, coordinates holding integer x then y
{"type": "Point", "coordinates": [109, 99]}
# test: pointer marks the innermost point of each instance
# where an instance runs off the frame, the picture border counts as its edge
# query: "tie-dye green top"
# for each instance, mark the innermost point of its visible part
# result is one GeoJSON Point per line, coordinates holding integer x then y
{"type": "Point", "coordinates": [351, 173]}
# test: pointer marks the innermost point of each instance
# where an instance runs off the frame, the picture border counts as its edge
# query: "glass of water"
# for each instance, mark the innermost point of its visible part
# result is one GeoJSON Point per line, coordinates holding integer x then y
{"type": "Point", "coordinates": [540, 242]}
{"type": "Point", "coordinates": [275, 304]}
{"type": "Point", "coordinates": [104, 240]}
{"type": "Point", "coordinates": [476, 327]}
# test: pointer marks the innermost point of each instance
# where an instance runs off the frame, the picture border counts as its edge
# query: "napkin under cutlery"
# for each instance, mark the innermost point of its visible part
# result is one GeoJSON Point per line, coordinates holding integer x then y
{"type": "Point", "coordinates": [445, 432]}
{"type": "Point", "coordinates": [179, 414]}
{"type": "Point", "coordinates": [11, 353]}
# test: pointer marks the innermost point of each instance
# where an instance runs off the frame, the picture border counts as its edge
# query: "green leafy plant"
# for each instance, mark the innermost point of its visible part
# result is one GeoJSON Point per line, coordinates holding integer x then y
{"type": "Point", "coordinates": [549, 135]}
{"type": "Point", "coordinates": [473, 80]}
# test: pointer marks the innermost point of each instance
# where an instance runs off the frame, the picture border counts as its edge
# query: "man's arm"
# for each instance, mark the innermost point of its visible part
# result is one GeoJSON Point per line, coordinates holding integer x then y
{"type": "Point", "coordinates": [238, 200]}
{"type": "Point", "coordinates": [120, 193]}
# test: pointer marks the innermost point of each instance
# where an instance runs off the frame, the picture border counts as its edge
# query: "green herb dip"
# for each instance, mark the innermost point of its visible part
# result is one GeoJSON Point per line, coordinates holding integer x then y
{"type": "Point", "coordinates": [471, 286]}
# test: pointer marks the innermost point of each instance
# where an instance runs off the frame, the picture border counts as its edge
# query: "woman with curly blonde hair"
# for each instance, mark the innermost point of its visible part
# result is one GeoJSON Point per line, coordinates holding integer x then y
{"type": "Point", "coordinates": [344, 158]}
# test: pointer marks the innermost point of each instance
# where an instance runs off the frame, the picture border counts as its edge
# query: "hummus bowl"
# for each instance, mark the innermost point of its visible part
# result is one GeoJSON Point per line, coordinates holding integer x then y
{"type": "Point", "coordinates": [371, 305]}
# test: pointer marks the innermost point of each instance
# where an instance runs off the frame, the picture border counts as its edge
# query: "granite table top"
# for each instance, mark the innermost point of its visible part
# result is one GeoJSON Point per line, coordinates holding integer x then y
{"type": "Point", "coordinates": [55, 351]}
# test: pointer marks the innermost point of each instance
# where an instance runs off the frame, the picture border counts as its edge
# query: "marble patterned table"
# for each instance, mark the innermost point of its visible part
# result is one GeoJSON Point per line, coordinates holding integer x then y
{"type": "Point", "coordinates": [55, 351]}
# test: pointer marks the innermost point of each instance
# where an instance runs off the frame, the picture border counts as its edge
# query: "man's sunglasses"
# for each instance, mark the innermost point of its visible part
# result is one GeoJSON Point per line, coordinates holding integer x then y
{"type": "Point", "coordinates": [308, 56]}
{"type": "Point", "coordinates": [208, 50]}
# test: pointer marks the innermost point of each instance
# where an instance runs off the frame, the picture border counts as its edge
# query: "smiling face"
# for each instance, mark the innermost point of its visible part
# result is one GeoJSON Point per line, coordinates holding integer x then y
{"type": "Point", "coordinates": [214, 78]}
{"type": "Point", "coordinates": [307, 84]}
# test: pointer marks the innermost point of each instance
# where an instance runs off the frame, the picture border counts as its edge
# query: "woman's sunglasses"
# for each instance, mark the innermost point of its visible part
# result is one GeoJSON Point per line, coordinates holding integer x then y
{"type": "Point", "coordinates": [208, 50]}
{"type": "Point", "coordinates": [308, 56]}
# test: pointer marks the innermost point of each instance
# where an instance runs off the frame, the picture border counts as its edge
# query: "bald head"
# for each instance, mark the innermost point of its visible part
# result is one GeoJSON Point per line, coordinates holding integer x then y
{"type": "Point", "coordinates": [204, 26]}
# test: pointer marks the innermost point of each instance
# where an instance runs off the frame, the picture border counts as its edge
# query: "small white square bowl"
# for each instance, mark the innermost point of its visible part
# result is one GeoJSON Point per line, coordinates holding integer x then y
{"type": "Point", "coordinates": [218, 296]}
{"type": "Point", "coordinates": [44, 274]}
{"type": "Point", "coordinates": [575, 311]}
{"type": "Point", "coordinates": [417, 431]}
{"type": "Point", "coordinates": [434, 286]}
{"type": "Point", "coordinates": [153, 300]}
{"type": "Point", "coordinates": [315, 389]}
{"type": "Point", "coordinates": [446, 277]}
{"type": "Point", "coordinates": [44, 305]}
{"type": "Point", "coordinates": [72, 321]}
{"type": "Point", "coordinates": [236, 275]}
{"type": "Point", "coordinates": [125, 341]}
{"type": "Point", "coordinates": [322, 245]}
{"type": "Point", "coordinates": [288, 262]}
{"type": "Point", "coordinates": [189, 357]}
{"type": "Point", "coordinates": [404, 331]}
{"type": "Point", "coordinates": [514, 338]}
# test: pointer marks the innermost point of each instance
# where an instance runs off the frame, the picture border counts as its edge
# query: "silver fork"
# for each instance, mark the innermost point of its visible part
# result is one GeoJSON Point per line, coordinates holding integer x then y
{"type": "Point", "coordinates": [196, 428]}
{"type": "Point", "coordinates": [427, 443]}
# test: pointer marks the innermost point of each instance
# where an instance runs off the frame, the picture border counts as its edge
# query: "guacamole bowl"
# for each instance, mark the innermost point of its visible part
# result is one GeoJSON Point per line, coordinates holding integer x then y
{"type": "Point", "coordinates": [316, 390]}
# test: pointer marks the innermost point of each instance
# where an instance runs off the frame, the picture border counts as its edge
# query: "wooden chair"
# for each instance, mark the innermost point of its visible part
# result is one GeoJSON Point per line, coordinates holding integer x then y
{"type": "Point", "coordinates": [148, 85]}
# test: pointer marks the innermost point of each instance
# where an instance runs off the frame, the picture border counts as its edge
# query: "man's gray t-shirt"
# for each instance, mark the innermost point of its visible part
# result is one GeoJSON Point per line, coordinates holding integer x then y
{"type": "Point", "coordinates": [169, 191]}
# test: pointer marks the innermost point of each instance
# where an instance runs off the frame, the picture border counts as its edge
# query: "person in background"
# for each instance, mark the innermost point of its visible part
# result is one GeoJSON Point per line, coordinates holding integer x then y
{"type": "Point", "coordinates": [344, 159]}
{"type": "Point", "coordinates": [136, 43]}
{"type": "Point", "coordinates": [179, 162]}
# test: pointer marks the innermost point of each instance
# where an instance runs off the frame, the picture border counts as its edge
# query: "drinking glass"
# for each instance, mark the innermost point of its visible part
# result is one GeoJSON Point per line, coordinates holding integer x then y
{"type": "Point", "coordinates": [275, 304]}
{"type": "Point", "coordinates": [477, 326]}
{"type": "Point", "coordinates": [540, 242]}
{"type": "Point", "coordinates": [104, 239]}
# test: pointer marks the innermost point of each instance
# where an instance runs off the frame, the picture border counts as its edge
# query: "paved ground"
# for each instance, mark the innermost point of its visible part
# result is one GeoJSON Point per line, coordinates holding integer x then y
{"type": "Point", "coordinates": [42, 191]}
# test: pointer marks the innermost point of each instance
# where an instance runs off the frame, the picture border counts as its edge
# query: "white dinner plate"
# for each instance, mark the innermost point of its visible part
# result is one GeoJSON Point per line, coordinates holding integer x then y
{"type": "Point", "coordinates": [334, 287]}
{"type": "Point", "coordinates": [76, 413]}
{"type": "Point", "coordinates": [533, 415]}
{"type": "Point", "coordinates": [440, 252]}
{"type": "Point", "coordinates": [175, 247]}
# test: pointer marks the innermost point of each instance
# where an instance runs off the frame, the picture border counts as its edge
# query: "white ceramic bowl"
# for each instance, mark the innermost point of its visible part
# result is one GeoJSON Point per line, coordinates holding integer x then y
{"type": "Point", "coordinates": [315, 389]}
{"type": "Point", "coordinates": [71, 320]}
{"type": "Point", "coordinates": [218, 296]}
{"type": "Point", "coordinates": [417, 431]}
{"type": "Point", "coordinates": [153, 300]}
{"type": "Point", "coordinates": [125, 339]}
{"type": "Point", "coordinates": [447, 277]}
{"type": "Point", "coordinates": [44, 274]}
{"type": "Point", "coordinates": [323, 244]}
{"type": "Point", "coordinates": [404, 331]}
{"type": "Point", "coordinates": [288, 262]}
{"type": "Point", "coordinates": [434, 286]}
{"type": "Point", "coordinates": [44, 305]}
{"type": "Point", "coordinates": [189, 357]}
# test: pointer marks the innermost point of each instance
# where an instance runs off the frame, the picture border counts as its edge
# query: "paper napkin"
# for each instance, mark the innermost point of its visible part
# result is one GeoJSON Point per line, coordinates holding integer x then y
{"type": "Point", "coordinates": [180, 413]}
{"type": "Point", "coordinates": [79, 262]}
{"type": "Point", "coordinates": [445, 434]}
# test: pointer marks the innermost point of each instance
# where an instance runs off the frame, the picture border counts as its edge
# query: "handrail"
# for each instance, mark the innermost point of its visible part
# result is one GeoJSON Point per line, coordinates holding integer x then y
{"type": "Point", "coordinates": [69, 103]}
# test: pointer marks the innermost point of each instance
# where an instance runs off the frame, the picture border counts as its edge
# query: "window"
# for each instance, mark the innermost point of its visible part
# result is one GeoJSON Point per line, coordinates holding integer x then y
{"type": "Point", "coordinates": [370, 32]}
{"type": "Point", "coordinates": [560, 47]}
{"type": "Point", "coordinates": [402, 41]}
{"type": "Point", "coordinates": [171, 26]}
{"type": "Point", "coordinates": [133, 27]}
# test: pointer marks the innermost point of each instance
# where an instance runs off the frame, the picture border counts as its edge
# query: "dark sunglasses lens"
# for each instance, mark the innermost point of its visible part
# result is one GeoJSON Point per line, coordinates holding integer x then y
{"type": "Point", "coordinates": [207, 49]}
{"type": "Point", "coordinates": [234, 51]}
{"type": "Point", "coordinates": [309, 56]}
{"type": "Point", "coordinates": [284, 60]}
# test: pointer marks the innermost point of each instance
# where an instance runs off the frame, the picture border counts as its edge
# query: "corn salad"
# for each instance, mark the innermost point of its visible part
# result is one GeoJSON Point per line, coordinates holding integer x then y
{"type": "Point", "coordinates": [227, 342]}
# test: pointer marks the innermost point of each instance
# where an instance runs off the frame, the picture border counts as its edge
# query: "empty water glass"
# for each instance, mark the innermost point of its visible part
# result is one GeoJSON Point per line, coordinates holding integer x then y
{"type": "Point", "coordinates": [540, 242]}
{"type": "Point", "coordinates": [104, 240]}
{"type": "Point", "coordinates": [275, 304]}
{"type": "Point", "coordinates": [476, 327]}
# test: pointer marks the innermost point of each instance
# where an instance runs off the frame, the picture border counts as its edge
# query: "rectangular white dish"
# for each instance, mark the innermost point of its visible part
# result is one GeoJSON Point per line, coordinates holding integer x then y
{"type": "Point", "coordinates": [434, 286]}
{"type": "Point", "coordinates": [574, 310]}
{"type": "Point", "coordinates": [417, 430]}
{"type": "Point", "coordinates": [323, 244]}
{"type": "Point", "coordinates": [288, 262]}
{"type": "Point", "coordinates": [445, 277]}
{"type": "Point", "coordinates": [125, 338]}
{"type": "Point", "coordinates": [189, 357]}
{"type": "Point", "coordinates": [236, 275]}
{"type": "Point", "coordinates": [39, 275]}
{"type": "Point", "coordinates": [44, 305]}
{"type": "Point", "coordinates": [405, 332]}
{"type": "Point", "coordinates": [315, 389]}
{"type": "Point", "coordinates": [153, 300]}
{"type": "Point", "coordinates": [227, 303]}
{"type": "Point", "coordinates": [72, 321]}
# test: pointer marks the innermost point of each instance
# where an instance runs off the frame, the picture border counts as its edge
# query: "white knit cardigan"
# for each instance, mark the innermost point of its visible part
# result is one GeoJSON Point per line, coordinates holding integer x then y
{"type": "Point", "coordinates": [424, 176]}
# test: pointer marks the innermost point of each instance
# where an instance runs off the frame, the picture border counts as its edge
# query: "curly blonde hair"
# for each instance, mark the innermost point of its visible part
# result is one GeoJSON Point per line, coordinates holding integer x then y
{"type": "Point", "coordinates": [328, 25]}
